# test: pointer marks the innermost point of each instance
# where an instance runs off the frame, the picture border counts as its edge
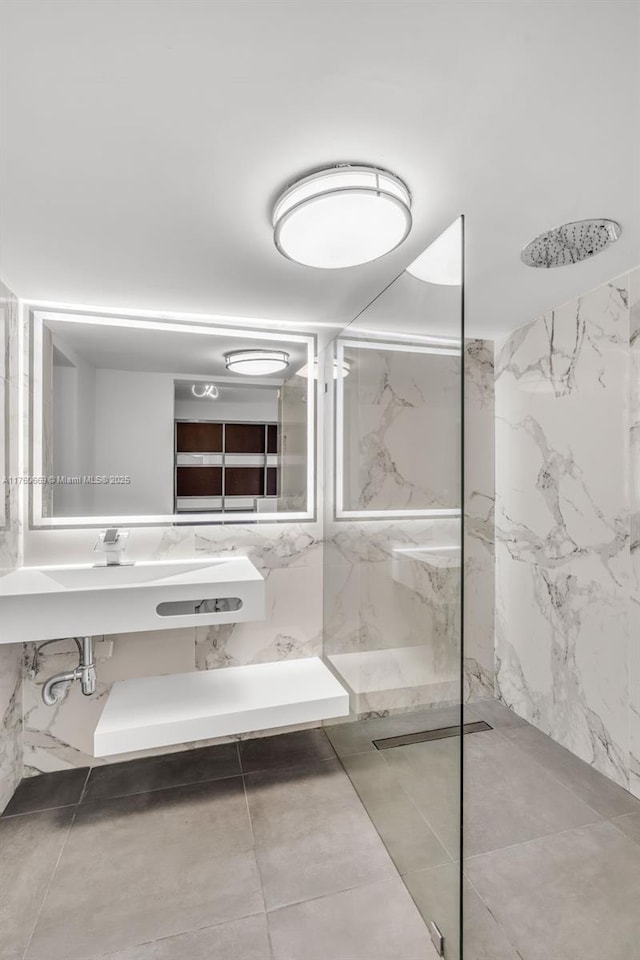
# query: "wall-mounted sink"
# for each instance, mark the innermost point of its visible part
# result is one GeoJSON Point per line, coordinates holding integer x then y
{"type": "Point", "coordinates": [44, 603]}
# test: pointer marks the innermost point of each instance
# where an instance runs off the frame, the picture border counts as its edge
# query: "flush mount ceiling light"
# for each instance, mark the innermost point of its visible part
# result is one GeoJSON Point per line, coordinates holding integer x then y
{"type": "Point", "coordinates": [339, 369]}
{"type": "Point", "coordinates": [202, 390]}
{"type": "Point", "coordinates": [441, 262]}
{"type": "Point", "coordinates": [342, 216]}
{"type": "Point", "coordinates": [256, 363]}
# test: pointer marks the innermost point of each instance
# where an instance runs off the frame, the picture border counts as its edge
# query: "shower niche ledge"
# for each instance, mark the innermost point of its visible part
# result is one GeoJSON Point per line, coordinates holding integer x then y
{"type": "Point", "coordinates": [148, 712]}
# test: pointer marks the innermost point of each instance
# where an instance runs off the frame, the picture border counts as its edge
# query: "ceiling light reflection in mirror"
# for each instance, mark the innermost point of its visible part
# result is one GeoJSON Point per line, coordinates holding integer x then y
{"type": "Point", "coordinates": [205, 390]}
{"type": "Point", "coordinates": [339, 369]}
{"type": "Point", "coordinates": [441, 262]}
{"type": "Point", "coordinates": [256, 363]}
{"type": "Point", "coordinates": [125, 369]}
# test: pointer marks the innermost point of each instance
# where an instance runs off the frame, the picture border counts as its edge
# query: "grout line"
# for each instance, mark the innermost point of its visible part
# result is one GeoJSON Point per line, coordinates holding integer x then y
{"type": "Point", "coordinates": [401, 876]}
{"type": "Point", "coordinates": [333, 893]}
{"type": "Point", "coordinates": [493, 916]}
{"type": "Point", "coordinates": [168, 786]}
{"type": "Point", "coordinates": [32, 813]}
{"type": "Point", "coordinates": [255, 856]}
{"type": "Point", "coordinates": [180, 933]}
{"type": "Point", "coordinates": [83, 801]}
{"type": "Point", "coordinates": [48, 887]}
{"type": "Point", "coordinates": [550, 773]}
{"type": "Point", "coordinates": [84, 785]}
{"type": "Point", "coordinates": [422, 814]}
{"type": "Point", "coordinates": [308, 764]}
{"type": "Point", "coordinates": [545, 836]}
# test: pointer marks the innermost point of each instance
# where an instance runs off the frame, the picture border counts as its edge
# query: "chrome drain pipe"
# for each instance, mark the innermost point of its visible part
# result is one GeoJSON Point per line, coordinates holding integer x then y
{"type": "Point", "coordinates": [55, 687]}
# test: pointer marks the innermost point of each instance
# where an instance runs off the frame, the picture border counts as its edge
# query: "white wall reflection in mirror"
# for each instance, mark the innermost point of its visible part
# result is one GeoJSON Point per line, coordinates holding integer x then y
{"type": "Point", "coordinates": [137, 421]}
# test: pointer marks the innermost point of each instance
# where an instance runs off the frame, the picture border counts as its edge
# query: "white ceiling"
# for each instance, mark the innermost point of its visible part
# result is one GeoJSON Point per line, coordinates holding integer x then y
{"type": "Point", "coordinates": [165, 351]}
{"type": "Point", "coordinates": [145, 142]}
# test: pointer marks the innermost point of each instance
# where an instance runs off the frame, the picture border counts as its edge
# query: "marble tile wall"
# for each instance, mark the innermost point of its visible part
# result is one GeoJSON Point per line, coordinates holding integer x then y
{"type": "Point", "coordinates": [479, 510]}
{"type": "Point", "coordinates": [377, 600]}
{"type": "Point", "coordinates": [391, 397]}
{"type": "Point", "coordinates": [565, 651]}
{"type": "Point", "coordinates": [10, 654]}
{"type": "Point", "coordinates": [10, 516]}
{"type": "Point", "coordinates": [372, 607]}
{"type": "Point", "coordinates": [634, 464]}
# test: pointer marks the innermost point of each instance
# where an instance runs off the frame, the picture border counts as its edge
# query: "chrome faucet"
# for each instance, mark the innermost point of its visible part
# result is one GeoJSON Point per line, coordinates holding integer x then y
{"type": "Point", "coordinates": [113, 542]}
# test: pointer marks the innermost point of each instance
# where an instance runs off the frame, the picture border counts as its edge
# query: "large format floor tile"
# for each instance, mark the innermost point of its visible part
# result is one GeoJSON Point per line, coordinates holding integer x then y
{"type": "Point", "coordinates": [437, 895]}
{"type": "Point", "coordinates": [484, 938]}
{"type": "Point", "coordinates": [246, 939]}
{"type": "Point", "coordinates": [572, 896]}
{"type": "Point", "coordinates": [312, 834]}
{"type": "Point", "coordinates": [48, 790]}
{"type": "Point", "coordinates": [494, 713]}
{"type": "Point", "coordinates": [509, 798]}
{"type": "Point", "coordinates": [285, 750]}
{"type": "Point", "coordinates": [373, 922]}
{"type": "Point", "coordinates": [168, 770]}
{"type": "Point", "coordinates": [629, 825]}
{"type": "Point", "coordinates": [430, 774]}
{"type": "Point", "coordinates": [601, 793]}
{"type": "Point", "coordinates": [30, 847]}
{"type": "Point", "coordinates": [149, 866]}
{"type": "Point", "coordinates": [409, 840]}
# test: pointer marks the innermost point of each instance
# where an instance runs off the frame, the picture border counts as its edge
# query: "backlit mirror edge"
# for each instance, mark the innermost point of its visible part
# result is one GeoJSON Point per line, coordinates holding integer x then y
{"type": "Point", "coordinates": [34, 320]}
{"type": "Point", "coordinates": [448, 347]}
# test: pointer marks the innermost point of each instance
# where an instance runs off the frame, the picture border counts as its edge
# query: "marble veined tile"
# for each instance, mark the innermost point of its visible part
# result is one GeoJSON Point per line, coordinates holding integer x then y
{"type": "Point", "coordinates": [634, 463]}
{"type": "Point", "coordinates": [563, 569]}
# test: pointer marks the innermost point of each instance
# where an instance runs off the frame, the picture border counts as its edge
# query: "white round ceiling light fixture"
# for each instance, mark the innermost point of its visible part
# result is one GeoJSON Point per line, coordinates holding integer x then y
{"type": "Point", "coordinates": [342, 216]}
{"type": "Point", "coordinates": [256, 363]}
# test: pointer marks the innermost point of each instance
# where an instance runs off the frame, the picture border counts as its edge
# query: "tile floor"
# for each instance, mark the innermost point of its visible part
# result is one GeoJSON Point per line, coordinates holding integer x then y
{"type": "Point", "coordinates": [552, 848]}
{"type": "Point", "coordinates": [256, 852]}
{"type": "Point", "coordinates": [264, 851]}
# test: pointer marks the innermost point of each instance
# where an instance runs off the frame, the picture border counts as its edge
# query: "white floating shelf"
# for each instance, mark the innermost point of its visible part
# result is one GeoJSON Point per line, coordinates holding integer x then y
{"type": "Point", "coordinates": [162, 711]}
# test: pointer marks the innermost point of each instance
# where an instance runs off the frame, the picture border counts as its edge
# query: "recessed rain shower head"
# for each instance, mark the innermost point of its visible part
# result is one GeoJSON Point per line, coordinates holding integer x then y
{"type": "Point", "coordinates": [570, 242]}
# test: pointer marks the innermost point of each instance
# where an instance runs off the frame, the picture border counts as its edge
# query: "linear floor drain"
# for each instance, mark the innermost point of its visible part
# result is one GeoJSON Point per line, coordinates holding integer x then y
{"type": "Point", "coordinates": [441, 734]}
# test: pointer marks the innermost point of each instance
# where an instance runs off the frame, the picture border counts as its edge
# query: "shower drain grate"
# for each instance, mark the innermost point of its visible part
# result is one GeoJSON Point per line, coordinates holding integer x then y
{"type": "Point", "coordinates": [424, 735]}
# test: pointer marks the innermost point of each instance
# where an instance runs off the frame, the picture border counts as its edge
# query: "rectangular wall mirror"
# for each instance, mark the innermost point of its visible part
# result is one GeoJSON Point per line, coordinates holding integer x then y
{"type": "Point", "coordinates": [140, 421]}
{"type": "Point", "coordinates": [4, 415]}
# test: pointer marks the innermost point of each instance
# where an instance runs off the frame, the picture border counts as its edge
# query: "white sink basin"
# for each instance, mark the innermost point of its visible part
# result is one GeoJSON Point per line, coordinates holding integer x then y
{"type": "Point", "coordinates": [44, 603]}
{"type": "Point", "coordinates": [88, 578]}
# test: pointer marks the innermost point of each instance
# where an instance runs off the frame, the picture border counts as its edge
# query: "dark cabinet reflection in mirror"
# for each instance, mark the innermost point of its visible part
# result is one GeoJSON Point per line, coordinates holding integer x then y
{"type": "Point", "coordinates": [143, 422]}
{"type": "Point", "coordinates": [225, 467]}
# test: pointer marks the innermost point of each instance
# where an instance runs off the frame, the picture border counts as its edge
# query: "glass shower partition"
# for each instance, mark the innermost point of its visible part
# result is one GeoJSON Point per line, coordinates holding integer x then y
{"type": "Point", "coordinates": [392, 571]}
